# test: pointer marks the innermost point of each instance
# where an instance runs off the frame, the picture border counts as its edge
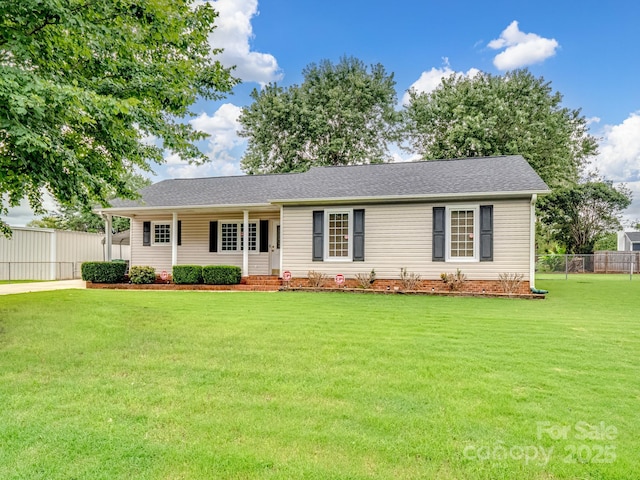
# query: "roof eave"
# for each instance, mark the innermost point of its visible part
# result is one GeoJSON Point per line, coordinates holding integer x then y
{"type": "Point", "coordinates": [410, 198]}
{"type": "Point", "coordinates": [177, 208]}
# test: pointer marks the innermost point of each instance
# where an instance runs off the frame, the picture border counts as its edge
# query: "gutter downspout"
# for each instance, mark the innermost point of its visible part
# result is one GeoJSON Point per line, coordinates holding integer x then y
{"type": "Point", "coordinates": [532, 242]}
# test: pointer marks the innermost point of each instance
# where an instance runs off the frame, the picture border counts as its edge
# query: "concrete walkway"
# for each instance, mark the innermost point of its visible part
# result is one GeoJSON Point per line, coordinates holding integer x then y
{"type": "Point", "coordinates": [10, 288]}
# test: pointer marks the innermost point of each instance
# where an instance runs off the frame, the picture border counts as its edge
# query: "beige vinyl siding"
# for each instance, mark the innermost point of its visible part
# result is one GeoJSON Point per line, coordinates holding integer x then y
{"type": "Point", "coordinates": [194, 249]}
{"type": "Point", "coordinates": [400, 235]}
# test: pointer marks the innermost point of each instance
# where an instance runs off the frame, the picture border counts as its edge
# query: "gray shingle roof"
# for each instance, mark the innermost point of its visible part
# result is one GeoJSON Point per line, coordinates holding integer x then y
{"type": "Point", "coordinates": [634, 236]}
{"type": "Point", "coordinates": [486, 175]}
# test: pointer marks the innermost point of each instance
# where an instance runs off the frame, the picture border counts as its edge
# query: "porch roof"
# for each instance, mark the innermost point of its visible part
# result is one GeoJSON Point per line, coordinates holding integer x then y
{"type": "Point", "coordinates": [486, 176]}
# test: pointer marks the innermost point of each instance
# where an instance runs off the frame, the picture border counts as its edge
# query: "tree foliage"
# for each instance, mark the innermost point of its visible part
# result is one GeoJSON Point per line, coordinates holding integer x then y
{"type": "Point", "coordinates": [581, 215]}
{"type": "Point", "coordinates": [341, 114]}
{"type": "Point", "coordinates": [487, 115]}
{"type": "Point", "coordinates": [83, 83]}
{"type": "Point", "coordinates": [80, 218]}
{"type": "Point", "coordinates": [78, 221]}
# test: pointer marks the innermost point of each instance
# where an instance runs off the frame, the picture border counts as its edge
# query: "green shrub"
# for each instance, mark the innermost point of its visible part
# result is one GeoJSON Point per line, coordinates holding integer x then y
{"type": "Point", "coordinates": [103, 272]}
{"type": "Point", "coordinates": [142, 274]}
{"type": "Point", "coordinates": [187, 274]}
{"type": "Point", "coordinates": [221, 275]}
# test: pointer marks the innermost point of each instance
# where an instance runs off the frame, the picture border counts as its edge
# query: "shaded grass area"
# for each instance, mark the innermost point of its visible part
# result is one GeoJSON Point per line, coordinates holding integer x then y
{"type": "Point", "coordinates": [160, 385]}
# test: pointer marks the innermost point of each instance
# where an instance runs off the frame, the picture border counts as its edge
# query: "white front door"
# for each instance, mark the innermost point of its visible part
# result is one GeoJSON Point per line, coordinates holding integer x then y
{"type": "Point", "coordinates": [274, 247]}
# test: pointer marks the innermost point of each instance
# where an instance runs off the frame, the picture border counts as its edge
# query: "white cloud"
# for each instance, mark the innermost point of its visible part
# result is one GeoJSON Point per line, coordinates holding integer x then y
{"type": "Point", "coordinates": [233, 34]}
{"type": "Point", "coordinates": [22, 214]}
{"type": "Point", "coordinates": [619, 158]}
{"type": "Point", "coordinates": [430, 80]}
{"type": "Point", "coordinates": [522, 49]}
{"type": "Point", "coordinates": [222, 149]}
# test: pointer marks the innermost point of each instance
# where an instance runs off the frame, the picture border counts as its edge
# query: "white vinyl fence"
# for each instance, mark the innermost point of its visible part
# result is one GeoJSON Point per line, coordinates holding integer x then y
{"type": "Point", "coordinates": [47, 254]}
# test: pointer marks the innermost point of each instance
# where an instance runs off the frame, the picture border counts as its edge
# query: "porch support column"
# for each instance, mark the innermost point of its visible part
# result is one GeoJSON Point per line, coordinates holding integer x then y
{"type": "Point", "coordinates": [281, 238]}
{"type": "Point", "coordinates": [108, 239]}
{"type": "Point", "coordinates": [174, 239]}
{"type": "Point", "coordinates": [245, 244]}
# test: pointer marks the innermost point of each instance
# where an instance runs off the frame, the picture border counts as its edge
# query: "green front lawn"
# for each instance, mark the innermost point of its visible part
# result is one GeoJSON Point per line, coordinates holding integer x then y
{"type": "Point", "coordinates": [193, 385]}
{"type": "Point", "coordinates": [9, 282]}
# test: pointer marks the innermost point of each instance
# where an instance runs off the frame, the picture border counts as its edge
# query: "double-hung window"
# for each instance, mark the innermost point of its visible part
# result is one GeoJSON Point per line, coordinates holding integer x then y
{"type": "Point", "coordinates": [232, 236]}
{"type": "Point", "coordinates": [338, 235]}
{"type": "Point", "coordinates": [161, 233]}
{"type": "Point", "coordinates": [462, 233]}
{"type": "Point", "coordinates": [463, 238]}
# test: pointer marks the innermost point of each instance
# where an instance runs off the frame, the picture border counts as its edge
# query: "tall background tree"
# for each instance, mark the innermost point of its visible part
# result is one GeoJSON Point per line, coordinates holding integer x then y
{"type": "Point", "coordinates": [514, 114]}
{"type": "Point", "coordinates": [341, 114]}
{"type": "Point", "coordinates": [83, 83]}
{"type": "Point", "coordinates": [581, 215]}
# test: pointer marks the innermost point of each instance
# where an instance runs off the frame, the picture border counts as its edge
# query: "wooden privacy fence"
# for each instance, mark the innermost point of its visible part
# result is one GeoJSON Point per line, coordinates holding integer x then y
{"type": "Point", "coordinates": [616, 262]}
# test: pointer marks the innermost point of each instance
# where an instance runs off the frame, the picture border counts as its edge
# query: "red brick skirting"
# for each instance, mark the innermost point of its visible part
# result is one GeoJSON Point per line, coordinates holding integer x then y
{"type": "Point", "coordinates": [493, 287]}
{"type": "Point", "coordinates": [480, 288]}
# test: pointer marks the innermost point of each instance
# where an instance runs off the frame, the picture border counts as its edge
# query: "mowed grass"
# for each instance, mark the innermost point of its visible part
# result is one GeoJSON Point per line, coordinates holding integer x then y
{"type": "Point", "coordinates": [10, 282]}
{"type": "Point", "coordinates": [193, 385]}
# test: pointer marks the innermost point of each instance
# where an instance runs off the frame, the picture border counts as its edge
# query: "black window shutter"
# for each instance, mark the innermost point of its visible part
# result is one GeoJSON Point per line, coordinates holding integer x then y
{"type": "Point", "coordinates": [358, 235]}
{"type": "Point", "coordinates": [213, 236]}
{"type": "Point", "coordinates": [439, 235]}
{"type": "Point", "coordinates": [179, 232]}
{"type": "Point", "coordinates": [486, 233]}
{"type": "Point", "coordinates": [318, 235]}
{"type": "Point", "coordinates": [146, 234]}
{"type": "Point", "coordinates": [264, 235]}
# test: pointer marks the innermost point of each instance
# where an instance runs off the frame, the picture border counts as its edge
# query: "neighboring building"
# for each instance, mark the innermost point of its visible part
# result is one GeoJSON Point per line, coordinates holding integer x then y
{"type": "Point", "coordinates": [47, 254]}
{"type": "Point", "coordinates": [629, 241]}
{"type": "Point", "coordinates": [121, 245]}
{"type": "Point", "coordinates": [476, 215]}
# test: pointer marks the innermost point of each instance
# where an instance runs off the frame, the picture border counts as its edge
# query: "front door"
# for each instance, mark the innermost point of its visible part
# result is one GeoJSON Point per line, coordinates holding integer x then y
{"type": "Point", "coordinates": [274, 247]}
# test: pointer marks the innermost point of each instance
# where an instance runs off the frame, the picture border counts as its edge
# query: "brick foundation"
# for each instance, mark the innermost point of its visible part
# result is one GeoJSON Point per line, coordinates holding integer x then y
{"type": "Point", "coordinates": [491, 287]}
{"type": "Point", "coordinates": [270, 283]}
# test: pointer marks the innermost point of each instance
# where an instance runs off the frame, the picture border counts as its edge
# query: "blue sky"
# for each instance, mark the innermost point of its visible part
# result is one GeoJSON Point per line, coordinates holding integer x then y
{"type": "Point", "coordinates": [588, 50]}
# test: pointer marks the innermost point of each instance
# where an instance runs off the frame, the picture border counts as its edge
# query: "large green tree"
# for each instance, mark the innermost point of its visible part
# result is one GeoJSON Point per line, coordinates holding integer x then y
{"type": "Point", "coordinates": [486, 115]}
{"type": "Point", "coordinates": [83, 83]}
{"type": "Point", "coordinates": [81, 218]}
{"type": "Point", "coordinates": [580, 215]}
{"type": "Point", "coordinates": [341, 114]}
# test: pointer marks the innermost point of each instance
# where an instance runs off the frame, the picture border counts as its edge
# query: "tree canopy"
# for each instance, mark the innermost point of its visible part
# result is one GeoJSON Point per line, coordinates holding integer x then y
{"type": "Point", "coordinates": [486, 115]}
{"type": "Point", "coordinates": [83, 85]}
{"type": "Point", "coordinates": [580, 215]}
{"type": "Point", "coordinates": [341, 114]}
{"type": "Point", "coordinates": [81, 218]}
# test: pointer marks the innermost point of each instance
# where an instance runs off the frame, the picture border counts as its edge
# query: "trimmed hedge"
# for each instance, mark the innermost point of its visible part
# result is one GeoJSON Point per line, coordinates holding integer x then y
{"type": "Point", "coordinates": [187, 274]}
{"type": "Point", "coordinates": [221, 275]}
{"type": "Point", "coordinates": [103, 272]}
{"type": "Point", "coordinates": [142, 274]}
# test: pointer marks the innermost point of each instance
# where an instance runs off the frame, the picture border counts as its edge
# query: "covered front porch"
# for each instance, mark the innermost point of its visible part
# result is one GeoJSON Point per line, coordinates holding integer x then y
{"type": "Point", "coordinates": [246, 237]}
